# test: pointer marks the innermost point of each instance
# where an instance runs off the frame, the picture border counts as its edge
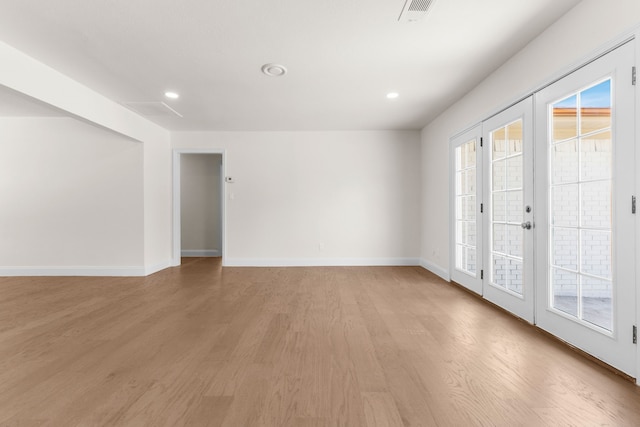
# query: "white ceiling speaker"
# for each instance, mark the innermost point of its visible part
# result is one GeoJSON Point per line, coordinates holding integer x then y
{"type": "Point", "coordinates": [414, 10]}
{"type": "Point", "coordinates": [274, 70]}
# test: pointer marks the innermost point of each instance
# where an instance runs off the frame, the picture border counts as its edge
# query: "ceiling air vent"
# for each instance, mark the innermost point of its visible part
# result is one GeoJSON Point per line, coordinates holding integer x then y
{"type": "Point", "coordinates": [414, 10]}
{"type": "Point", "coordinates": [152, 109]}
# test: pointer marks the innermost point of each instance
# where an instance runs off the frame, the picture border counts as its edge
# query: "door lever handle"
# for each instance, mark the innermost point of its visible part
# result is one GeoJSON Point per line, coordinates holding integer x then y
{"type": "Point", "coordinates": [526, 225]}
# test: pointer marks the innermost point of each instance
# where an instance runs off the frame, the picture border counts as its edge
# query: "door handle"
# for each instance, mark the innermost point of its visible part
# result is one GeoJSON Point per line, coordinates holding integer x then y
{"type": "Point", "coordinates": [526, 225]}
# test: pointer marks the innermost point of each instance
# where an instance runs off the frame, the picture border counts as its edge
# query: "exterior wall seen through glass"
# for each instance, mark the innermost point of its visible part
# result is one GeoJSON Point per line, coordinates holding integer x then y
{"type": "Point", "coordinates": [507, 236]}
{"type": "Point", "coordinates": [466, 250]}
{"type": "Point", "coordinates": [580, 206]}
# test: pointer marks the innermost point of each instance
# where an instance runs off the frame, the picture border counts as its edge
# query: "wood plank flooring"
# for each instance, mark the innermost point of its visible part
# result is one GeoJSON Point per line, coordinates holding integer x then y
{"type": "Point", "coordinates": [200, 345]}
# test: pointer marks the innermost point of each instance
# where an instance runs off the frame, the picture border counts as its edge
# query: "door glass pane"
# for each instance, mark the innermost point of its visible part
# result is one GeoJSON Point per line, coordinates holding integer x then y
{"type": "Point", "coordinates": [514, 131]}
{"type": "Point", "coordinates": [468, 208]}
{"type": "Point", "coordinates": [595, 156]}
{"type": "Point", "coordinates": [469, 181]}
{"type": "Point", "coordinates": [470, 233]}
{"type": "Point", "coordinates": [465, 206]}
{"type": "Point", "coordinates": [498, 178]}
{"type": "Point", "coordinates": [499, 273]}
{"type": "Point", "coordinates": [564, 202]}
{"type": "Point", "coordinates": [507, 208]}
{"type": "Point", "coordinates": [467, 154]}
{"type": "Point", "coordinates": [499, 144]}
{"type": "Point", "coordinates": [595, 204]}
{"type": "Point", "coordinates": [596, 253]}
{"type": "Point", "coordinates": [595, 111]}
{"type": "Point", "coordinates": [499, 206]}
{"type": "Point", "coordinates": [580, 206]}
{"type": "Point", "coordinates": [565, 119]}
{"type": "Point", "coordinates": [500, 238]}
{"type": "Point", "coordinates": [564, 158]}
{"type": "Point", "coordinates": [597, 301]}
{"type": "Point", "coordinates": [514, 271]}
{"type": "Point", "coordinates": [470, 259]}
{"type": "Point", "coordinates": [565, 242]}
{"type": "Point", "coordinates": [565, 291]}
{"type": "Point", "coordinates": [514, 241]}
{"type": "Point", "coordinates": [514, 206]}
{"type": "Point", "coordinates": [514, 172]}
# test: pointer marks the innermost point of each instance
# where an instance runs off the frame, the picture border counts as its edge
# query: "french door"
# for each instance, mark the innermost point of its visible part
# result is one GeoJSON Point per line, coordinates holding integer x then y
{"type": "Point", "coordinates": [585, 226]}
{"type": "Point", "coordinates": [545, 227]}
{"type": "Point", "coordinates": [466, 234]}
{"type": "Point", "coordinates": [492, 166]}
{"type": "Point", "coordinates": [508, 210]}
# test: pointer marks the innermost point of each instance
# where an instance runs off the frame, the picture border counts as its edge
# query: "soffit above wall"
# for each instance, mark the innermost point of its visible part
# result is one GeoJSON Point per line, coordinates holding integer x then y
{"type": "Point", "coordinates": [14, 104]}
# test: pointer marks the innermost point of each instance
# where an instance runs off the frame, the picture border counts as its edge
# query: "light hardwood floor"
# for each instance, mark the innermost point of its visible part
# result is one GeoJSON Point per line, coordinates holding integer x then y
{"type": "Point", "coordinates": [238, 347]}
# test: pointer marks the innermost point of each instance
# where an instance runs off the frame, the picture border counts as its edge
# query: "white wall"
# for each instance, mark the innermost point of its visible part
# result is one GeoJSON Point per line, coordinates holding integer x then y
{"type": "Point", "coordinates": [318, 198]}
{"type": "Point", "coordinates": [72, 198]}
{"type": "Point", "coordinates": [35, 79]}
{"type": "Point", "coordinates": [588, 27]}
{"type": "Point", "coordinates": [200, 204]}
{"type": "Point", "coordinates": [157, 201]}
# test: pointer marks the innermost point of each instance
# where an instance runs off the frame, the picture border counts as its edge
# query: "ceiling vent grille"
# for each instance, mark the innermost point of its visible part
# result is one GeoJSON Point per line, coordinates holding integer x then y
{"type": "Point", "coordinates": [152, 109]}
{"type": "Point", "coordinates": [414, 10]}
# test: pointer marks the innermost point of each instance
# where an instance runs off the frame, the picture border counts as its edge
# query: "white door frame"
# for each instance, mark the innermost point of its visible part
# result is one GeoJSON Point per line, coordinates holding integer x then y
{"type": "Point", "coordinates": [177, 153]}
{"type": "Point", "coordinates": [637, 239]}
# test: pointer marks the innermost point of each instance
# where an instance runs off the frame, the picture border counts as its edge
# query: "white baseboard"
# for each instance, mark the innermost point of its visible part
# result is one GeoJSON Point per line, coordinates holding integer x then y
{"type": "Point", "coordinates": [435, 269]}
{"type": "Point", "coordinates": [200, 253]}
{"type": "Point", "coordinates": [72, 271]}
{"type": "Point", "coordinates": [83, 271]}
{"type": "Point", "coordinates": [318, 262]}
{"type": "Point", "coordinates": [229, 262]}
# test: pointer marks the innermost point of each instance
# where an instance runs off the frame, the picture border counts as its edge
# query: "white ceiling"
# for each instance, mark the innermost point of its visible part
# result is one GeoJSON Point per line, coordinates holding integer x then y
{"type": "Point", "coordinates": [343, 56]}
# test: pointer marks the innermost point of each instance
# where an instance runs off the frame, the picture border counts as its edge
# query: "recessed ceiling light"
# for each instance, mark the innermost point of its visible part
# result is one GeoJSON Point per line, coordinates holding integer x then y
{"type": "Point", "coordinates": [274, 70]}
{"type": "Point", "coordinates": [171, 95]}
{"type": "Point", "coordinates": [393, 95]}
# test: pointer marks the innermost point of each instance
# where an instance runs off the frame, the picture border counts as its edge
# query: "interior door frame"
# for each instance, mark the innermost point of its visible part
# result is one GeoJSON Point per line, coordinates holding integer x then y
{"type": "Point", "coordinates": [177, 224]}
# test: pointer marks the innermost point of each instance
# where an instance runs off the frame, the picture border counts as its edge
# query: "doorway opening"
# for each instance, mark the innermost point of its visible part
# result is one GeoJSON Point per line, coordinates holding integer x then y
{"type": "Point", "coordinates": [198, 204]}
